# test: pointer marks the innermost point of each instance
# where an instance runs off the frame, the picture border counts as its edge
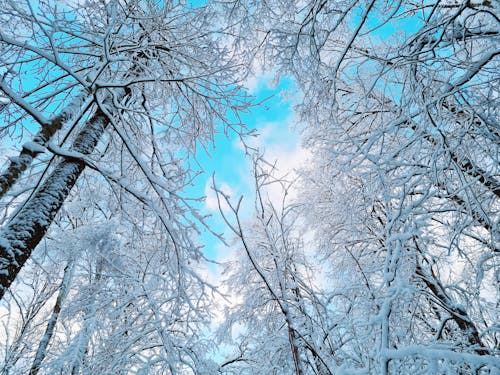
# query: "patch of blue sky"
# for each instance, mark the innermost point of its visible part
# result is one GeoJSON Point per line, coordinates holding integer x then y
{"type": "Point", "coordinates": [387, 22]}
{"type": "Point", "coordinates": [197, 3]}
{"type": "Point", "coordinates": [273, 123]}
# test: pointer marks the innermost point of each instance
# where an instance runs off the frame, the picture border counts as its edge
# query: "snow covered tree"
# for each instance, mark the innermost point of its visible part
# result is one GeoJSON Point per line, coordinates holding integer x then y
{"type": "Point", "coordinates": [142, 81]}
{"type": "Point", "coordinates": [401, 103]}
{"type": "Point", "coordinates": [105, 103]}
{"type": "Point", "coordinates": [126, 306]}
{"type": "Point", "coordinates": [279, 313]}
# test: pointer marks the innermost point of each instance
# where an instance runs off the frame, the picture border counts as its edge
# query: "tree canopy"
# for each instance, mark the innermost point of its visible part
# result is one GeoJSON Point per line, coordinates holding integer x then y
{"type": "Point", "coordinates": [380, 255]}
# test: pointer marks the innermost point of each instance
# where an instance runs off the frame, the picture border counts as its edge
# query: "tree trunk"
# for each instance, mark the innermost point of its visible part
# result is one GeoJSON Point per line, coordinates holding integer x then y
{"type": "Point", "coordinates": [27, 228]}
{"type": "Point", "coordinates": [19, 164]}
{"type": "Point", "coordinates": [88, 322]}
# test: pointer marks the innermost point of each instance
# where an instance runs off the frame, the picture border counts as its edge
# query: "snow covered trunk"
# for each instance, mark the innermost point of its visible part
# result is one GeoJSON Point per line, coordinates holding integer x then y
{"type": "Point", "coordinates": [49, 331]}
{"type": "Point", "coordinates": [294, 347]}
{"type": "Point", "coordinates": [26, 229]}
{"type": "Point", "coordinates": [19, 164]}
{"type": "Point", "coordinates": [285, 308]}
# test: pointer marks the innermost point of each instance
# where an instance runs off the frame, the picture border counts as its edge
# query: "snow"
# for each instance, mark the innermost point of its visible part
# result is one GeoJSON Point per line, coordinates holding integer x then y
{"type": "Point", "coordinates": [34, 147]}
{"type": "Point", "coordinates": [439, 353]}
{"type": "Point", "coordinates": [380, 196]}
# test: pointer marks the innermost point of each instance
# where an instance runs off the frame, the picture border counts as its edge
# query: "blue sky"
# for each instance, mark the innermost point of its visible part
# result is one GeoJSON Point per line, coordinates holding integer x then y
{"type": "Point", "coordinates": [278, 139]}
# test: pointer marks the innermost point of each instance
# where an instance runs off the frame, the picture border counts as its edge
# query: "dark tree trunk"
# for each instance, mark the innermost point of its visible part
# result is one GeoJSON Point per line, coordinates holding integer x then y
{"type": "Point", "coordinates": [458, 314]}
{"type": "Point", "coordinates": [27, 228]}
{"type": "Point", "coordinates": [19, 164]}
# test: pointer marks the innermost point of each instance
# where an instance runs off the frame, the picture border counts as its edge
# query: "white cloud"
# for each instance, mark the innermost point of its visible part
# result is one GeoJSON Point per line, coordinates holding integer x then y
{"type": "Point", "coordinates": [259, 79]}
{"type": "Point", "coordinates": [281, 146]}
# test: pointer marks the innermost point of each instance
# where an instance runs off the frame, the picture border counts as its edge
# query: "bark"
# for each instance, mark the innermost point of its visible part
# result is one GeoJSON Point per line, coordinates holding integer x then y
{"type": "Point", "coordinates": [475, 213]}
{"type": "Point", "coordinates": [470, 168]}
{"type": "Point", "coordinates": [465, 164]}
{"type": "Point", "coordinates": [321, 366]}
{"type": "Point", "coordinates": [27, 228]}
{"type": "Point", "coordinates": [19, 164]}
{"type": "Point", "coordinates": [478, 173]}
{"type": "Point", "coordinates": [285, 309]}
{"type": "Point", "coordinates": [293, 346]}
